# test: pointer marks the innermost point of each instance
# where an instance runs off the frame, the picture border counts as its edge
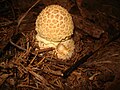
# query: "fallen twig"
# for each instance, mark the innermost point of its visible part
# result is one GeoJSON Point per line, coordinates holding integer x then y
{"type": "Point", "coordinates": [57, 73]}
{"type": "Point", "coordinates": [20, 20]}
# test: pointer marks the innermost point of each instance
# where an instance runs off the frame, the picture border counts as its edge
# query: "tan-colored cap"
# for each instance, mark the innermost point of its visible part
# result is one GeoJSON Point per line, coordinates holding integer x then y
{"type": "Point", "coordinates": [54, 23]}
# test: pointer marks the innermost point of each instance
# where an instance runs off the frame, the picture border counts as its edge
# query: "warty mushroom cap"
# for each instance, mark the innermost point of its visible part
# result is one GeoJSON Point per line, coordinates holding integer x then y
{"type": "Point", "coordinates": [54, 23]}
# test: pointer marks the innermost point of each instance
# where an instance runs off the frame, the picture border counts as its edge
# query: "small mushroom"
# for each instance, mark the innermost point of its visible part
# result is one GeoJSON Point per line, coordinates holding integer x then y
{"type": "Point", "coordinates": [54, 27]}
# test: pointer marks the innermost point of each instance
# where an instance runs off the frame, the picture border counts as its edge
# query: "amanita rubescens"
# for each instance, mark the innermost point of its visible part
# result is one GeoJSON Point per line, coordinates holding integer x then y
{"type": "Point", "coordinates": [54, 28]}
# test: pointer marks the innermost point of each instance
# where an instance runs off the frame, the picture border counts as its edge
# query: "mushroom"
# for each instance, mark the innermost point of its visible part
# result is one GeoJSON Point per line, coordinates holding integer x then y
{"type": "Point", "coordinates": [54, 27]}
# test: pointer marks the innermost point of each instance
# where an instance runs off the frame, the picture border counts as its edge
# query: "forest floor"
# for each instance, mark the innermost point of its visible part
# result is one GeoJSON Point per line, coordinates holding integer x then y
{"type": "Point", "coordinates": [97, 30]}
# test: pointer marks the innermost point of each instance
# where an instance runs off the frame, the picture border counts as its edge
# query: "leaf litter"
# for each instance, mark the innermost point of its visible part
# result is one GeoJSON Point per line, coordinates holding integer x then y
{"type": "Point", "coordinates": [24, 67]}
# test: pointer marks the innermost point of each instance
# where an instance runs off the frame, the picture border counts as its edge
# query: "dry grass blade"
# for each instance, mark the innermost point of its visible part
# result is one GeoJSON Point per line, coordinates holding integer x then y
{"type": "Point", "coordinates": [33, 58]}
{"type": "Point", "coordinates": [28, 86]}
{"type": "Point", "coordinates": [20, 20]}
{"type": "Point", "coordinates": [4, 77]}
{"type": "Point", "coordinates": [17, 45]}
{"type": "Point", "coordinates": [40, 61]}
{"type": "Point", "coordinates": [93, 76]}
{"type": "Point", "coordinates": [57, 73]}
{"type": "Point", "coordinates": [37, 76]}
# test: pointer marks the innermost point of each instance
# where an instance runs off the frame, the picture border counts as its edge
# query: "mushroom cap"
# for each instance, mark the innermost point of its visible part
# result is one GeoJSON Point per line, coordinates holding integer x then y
{"type": "Point", "coordinates": [54, 23]}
